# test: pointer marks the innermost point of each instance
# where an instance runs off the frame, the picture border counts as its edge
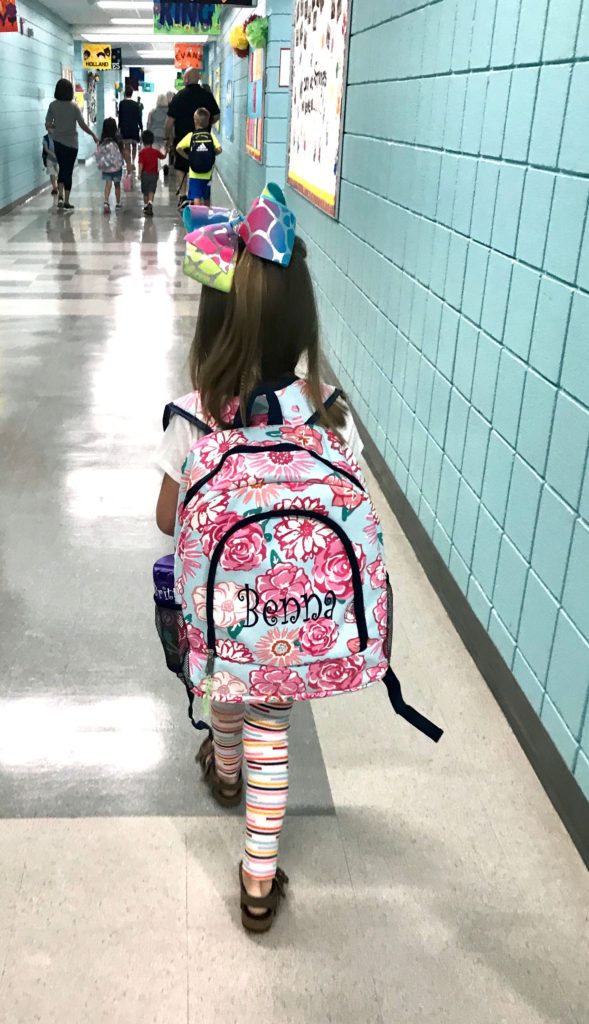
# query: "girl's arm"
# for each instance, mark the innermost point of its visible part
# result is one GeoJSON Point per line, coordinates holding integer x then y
{"type": "Point", "coordinates": [167, 503]}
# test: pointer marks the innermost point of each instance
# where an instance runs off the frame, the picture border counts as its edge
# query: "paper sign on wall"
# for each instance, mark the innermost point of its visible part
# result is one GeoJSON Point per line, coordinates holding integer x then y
{"type": "Point", "coordinates": [188, 55]}
{"type": "Point", "coordinates": [319, 73]}
{"type": "Point", "coordinates": [254, 125]}
{"type": "Point", "coordinates": [116, 59]}
{"type": "Point", "coordinates": [97, 56]}
{"type": "Point", "coordinates": [8, 17]}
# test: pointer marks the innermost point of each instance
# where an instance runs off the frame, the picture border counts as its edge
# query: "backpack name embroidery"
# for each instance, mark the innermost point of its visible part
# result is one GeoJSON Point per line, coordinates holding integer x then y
{"type": "Point", "coordinates": [289, 609]}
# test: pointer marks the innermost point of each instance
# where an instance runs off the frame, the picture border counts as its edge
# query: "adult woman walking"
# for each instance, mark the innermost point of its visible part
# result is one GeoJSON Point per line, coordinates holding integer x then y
{"type": "Point", "coordinates": [63, 118]}
{"type": "Point", "coordinates": [156, 123]}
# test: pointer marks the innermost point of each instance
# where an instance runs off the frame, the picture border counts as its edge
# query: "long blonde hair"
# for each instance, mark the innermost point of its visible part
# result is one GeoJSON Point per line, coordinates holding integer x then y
{"type": "Point", "coordinates": [270, 325]}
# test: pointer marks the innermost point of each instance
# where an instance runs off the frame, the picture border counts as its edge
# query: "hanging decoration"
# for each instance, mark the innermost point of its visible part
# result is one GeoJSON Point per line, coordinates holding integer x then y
{"type": "Point", "coordinates": [256, 30]}
{"type": "Point", "coordinates": [186, 18]}
{"type": "Point", "coordinates": [8, 16]}
{"type": "Point", "coordinates": [238, 41]}
{"type": "Point", "coordinates": [188, 55]}
{"type": "Point", "coordinates": [97, 57]}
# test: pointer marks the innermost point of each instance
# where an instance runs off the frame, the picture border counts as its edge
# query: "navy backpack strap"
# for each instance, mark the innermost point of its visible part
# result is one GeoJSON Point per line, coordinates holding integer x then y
{"type": "Point", "coordinates": [406, 711]}
{"type": "Point", "coordinates": [336, 393]}
{"type": "Point", "coordinates": [275, 417]}
{"type": "Point", "coordinates": [177, 410]}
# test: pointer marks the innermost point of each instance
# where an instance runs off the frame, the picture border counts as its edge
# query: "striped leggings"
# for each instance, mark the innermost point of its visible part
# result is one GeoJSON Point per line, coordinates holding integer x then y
{"type": "Point", "coordinates": [260, 733]}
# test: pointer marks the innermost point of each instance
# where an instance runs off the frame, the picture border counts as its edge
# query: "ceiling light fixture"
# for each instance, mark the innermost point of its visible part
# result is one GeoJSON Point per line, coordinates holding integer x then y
{"type": "Point", "coordinates": [136, 22]}
{"type": "Point", "coordinates": [131, 35]}
{"type": "Point", "coordinates": [125, 5]}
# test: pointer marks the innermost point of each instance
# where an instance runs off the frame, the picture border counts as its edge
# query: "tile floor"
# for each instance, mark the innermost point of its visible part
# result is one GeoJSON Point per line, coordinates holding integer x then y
{"type": "Point", "coordinates": [428, 883]}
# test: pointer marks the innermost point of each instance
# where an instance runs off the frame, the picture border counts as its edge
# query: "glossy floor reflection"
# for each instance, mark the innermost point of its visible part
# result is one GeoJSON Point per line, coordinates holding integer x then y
{"type": "Point", "coordinates": [428, 883]}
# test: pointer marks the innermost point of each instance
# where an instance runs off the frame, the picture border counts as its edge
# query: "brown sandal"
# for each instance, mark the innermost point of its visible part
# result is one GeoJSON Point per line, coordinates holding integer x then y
{"type": "Point", "coordinates": [227, 794]}
{"type": "Point", "coordinates": [270, 903]}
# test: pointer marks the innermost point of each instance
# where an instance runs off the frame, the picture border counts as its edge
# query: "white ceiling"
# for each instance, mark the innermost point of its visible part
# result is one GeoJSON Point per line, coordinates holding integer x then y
{"type": "Point", "coordinates": [85, 14]}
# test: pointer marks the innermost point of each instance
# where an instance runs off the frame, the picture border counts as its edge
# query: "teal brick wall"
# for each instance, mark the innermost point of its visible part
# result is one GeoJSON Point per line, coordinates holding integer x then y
{"type": "Point", "coordinates": [454, 294]}
{"type": "Point", "coordinates": [244, 177]}
{"type": "Point", "coordinates": [29, 69]}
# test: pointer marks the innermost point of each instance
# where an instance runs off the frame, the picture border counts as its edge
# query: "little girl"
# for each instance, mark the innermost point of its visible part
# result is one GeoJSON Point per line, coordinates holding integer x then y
{"type": "Point", "coordinates": [109, 160]}
{"type": "Point", "coordinates": [259, 333]}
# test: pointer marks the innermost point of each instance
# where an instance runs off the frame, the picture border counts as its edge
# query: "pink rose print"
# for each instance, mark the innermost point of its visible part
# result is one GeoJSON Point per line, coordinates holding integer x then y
{"type": "Point", "coordinates": [349, 612]}
{"type": "Point", "coordinates": [227, 687]}
{"type": "Point", "coordinates": [332, 569]}
{"type": "Point", "coordinates": [336, 676]}
{"type": "Point", "coordinates": [282, 465]}
{"type": "Point", "coordinates": [283, 581]}
{"type": "Point", "coordinates": [278, 647]}
{"type": "Point", "coordinates": [228, 610]}
{"type": "Point", "coordinates": [318, 637]}
{"type": "Point", "coordinates": [275, 682]}
{"type": "Point", "coordinates": [378, 574]}
{"type": "Point", "coordinates": [189, 553]}
{"type": "Point", "coordinates": [377, 671]}
{"type": "Point", "coordinates": [212, 447]}
{"type": "Point", "coordinates": [372, 528]}
{"type": "Point", "coordinates": [301, 538]}
{"type": "Point", "coordinates": [354, 645]}
{"type": "Point", "coordinates": [311, 504]}
{"type": "Point", "coordinates": [206, 511]}
{"type": "Point", "coordinates": [258, 493]}
{"type": "Point", "coordinates": [381, 615]}
{"type": "Point", "coordinates": [245, 549]}
{"type": "Point", "coordinates": [231, 650]}
{"type": "Point", "coordinates": [304, 435]}
{"type": "Point", "coordinates": [215, 531]}
{"type": "Point", "coordinates": [232, 470]}
{"type": "Point", "coordinates": [345, 495]}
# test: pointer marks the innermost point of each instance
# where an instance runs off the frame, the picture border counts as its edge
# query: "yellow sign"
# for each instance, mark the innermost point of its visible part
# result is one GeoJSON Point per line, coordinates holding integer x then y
{"type": "Point", "coordinates": [96, 56]}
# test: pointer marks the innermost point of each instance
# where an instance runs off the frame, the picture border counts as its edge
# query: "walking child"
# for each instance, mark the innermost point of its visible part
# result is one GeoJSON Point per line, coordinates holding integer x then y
{"type": "Point", "coordinates": [279, 563]}
{"type": "Point", "coordinates": [148, 162]}
{"type": "Point", "coordinates": [109, 160]}
{"type": "Point", "coordinates": [202, 148]}
{"type": "Point", "coordinates": [50, 162]}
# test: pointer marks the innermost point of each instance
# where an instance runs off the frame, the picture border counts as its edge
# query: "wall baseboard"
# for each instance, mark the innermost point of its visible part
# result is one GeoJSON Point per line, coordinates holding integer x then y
{"type": "Point", "coordinates": [560, 785]}
{"type": "Point", "coordinates": [23, 199]}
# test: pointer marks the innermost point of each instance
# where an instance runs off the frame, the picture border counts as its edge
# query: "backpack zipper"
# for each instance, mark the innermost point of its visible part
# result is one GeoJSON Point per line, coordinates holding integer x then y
{"type": "Point", "coordinates": [302, 513]}
{"type": "Point", "coordinates": [284, 446]}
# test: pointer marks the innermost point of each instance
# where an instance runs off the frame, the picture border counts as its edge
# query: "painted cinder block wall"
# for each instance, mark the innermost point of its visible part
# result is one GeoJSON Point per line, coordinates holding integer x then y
{"type": "Point", "coordinates": [243, 176]}
{"type": "Point", "coordinates": [454, 293]}
{"type": "Point", "coordinates": [29, 69]}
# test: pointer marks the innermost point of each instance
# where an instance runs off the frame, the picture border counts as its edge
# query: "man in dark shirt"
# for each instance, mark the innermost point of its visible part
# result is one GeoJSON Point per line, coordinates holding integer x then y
{"type": "Point", "coordinates": [129, 128]}
{"type": "Point", "coordinates": [180, 120]}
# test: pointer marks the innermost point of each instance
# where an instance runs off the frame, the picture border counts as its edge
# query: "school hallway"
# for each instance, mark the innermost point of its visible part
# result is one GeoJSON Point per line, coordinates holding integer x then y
{"type": "Point", "coordinates": [428, 883]}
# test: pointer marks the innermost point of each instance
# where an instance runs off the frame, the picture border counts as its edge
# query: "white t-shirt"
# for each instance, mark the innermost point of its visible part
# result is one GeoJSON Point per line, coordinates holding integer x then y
{"type": "Point", "coordinates": [181, 435]}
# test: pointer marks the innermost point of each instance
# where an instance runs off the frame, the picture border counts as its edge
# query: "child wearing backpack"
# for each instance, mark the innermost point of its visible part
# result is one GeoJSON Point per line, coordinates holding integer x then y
{"type": "Point", "coordinates": [109, 160]}
{"type": "Point", "coordinates": [50, 162]}
{"type": "Point", "coordinates": [202, 148]}
{"type": "Point", "coordinates": [279, 564]}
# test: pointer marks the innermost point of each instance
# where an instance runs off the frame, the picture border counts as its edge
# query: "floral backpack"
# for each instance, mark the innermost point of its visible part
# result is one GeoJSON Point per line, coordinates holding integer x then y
{"type": "Point", "coordinates": [109, 158]}
{"type": "Point", "coordinates": [279, 562]}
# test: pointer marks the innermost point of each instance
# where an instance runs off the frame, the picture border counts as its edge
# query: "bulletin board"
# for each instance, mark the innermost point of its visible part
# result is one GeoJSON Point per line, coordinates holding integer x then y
{"type": "Point", "coordinates": [318, 89]}
{"type": "Point", "coordinates": [254, 126]}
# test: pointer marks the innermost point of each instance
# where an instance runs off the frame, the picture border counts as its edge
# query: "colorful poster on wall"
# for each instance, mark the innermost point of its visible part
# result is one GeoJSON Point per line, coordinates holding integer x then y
{"type": "Point", "coordinates": [254, 125]}
{"type": "Point", "coordinates": [188, 55]}
{"type": "Point", "coordinates": [97, 56]}
{"type": "Point", "coordinates": [186, 18]}
{"type": "Point", "coordinates": [319, 74]}
{"type": "Point", "coordinates": [116, 59]}
{"type": "Point", "coordinates": [8, 16]}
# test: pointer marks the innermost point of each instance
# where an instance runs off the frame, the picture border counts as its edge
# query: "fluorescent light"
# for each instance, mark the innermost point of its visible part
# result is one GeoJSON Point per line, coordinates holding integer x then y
{"type": "Point", "coordinates": [125, 5]}
{"type": "Point", "coordinates": [131, 21]}
{"type": "Point", "coordinates": [157, 54]}
{"type": "Point", "coordinates": [132, 35]}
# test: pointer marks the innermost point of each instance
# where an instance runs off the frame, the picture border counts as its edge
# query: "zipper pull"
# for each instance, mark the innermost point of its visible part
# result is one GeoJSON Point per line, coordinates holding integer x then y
{"type": "Point", "coordinates": [210, 661]}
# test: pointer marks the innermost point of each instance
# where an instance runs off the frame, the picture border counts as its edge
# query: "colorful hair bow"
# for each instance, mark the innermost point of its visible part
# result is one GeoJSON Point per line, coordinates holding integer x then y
{"type": "Point", "coordinates": [268, 231]}
{"type": "Point", "coordinates": [201, 216]}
